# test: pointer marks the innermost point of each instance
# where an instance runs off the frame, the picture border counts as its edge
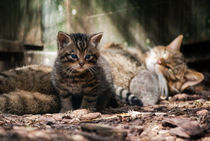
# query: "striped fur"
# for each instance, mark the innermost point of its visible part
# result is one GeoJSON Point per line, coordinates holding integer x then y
{"type": "Point", "coordinates": [124, 96]}
{"type": "Point", "coordinates": [81, 77]}
{"type": "Point", "coordinates": [133, 80]}
{"type": "Point", "coordinates": [28, 90]}
{"type": "Point", "coordinates": [168, 63]}
{"type": "Point", "coordinates": [165, 71]}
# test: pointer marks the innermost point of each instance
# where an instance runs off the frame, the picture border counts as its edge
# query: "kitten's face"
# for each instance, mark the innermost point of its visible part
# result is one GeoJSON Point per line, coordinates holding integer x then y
{"type": "Point", "coordinates": [78, 52]}
{"type": "Point", "coordinates": [168, 63]}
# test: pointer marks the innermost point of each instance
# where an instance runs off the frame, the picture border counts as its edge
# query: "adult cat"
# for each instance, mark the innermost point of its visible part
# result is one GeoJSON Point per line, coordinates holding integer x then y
{"type": "Point", "coordinates": [160, 72]}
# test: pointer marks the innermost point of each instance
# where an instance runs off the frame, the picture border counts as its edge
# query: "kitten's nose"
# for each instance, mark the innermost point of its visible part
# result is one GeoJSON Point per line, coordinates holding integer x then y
{"type": "Point", "coordinates": [81, 64]}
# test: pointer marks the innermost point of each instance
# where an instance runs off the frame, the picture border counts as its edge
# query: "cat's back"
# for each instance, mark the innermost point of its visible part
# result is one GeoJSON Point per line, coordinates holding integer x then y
{"type": "Point", "coordinates": [124, 65]}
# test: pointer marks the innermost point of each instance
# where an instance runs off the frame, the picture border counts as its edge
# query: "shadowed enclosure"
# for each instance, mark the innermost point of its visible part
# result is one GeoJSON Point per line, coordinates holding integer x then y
{"type": "Point", "coordinates": [33, 25]}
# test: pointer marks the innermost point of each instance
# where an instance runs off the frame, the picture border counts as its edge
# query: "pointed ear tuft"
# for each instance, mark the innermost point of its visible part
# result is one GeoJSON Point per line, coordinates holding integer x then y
{"type": "Point", "coordinates": [96, 38]}
{"type": "Point", "coordinates": [192, 78]}
{"type": "Point", "coordinates": [63, 39]}
{"type": "Point", "coordinates": [176, 43]}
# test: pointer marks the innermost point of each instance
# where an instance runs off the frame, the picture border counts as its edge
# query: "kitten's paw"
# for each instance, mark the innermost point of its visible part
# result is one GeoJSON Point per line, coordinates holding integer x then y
{"type": "Point", "coordinates": [65, 110]}
{"type": "Point", "coordinates": [92, 109]}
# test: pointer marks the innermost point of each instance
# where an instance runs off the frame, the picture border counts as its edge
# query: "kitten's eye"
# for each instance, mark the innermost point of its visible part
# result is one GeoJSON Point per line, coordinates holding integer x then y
{"type": "Point", "coordinates": [87, 57]}
{"type": "Point", "coordinates": [74, 56]}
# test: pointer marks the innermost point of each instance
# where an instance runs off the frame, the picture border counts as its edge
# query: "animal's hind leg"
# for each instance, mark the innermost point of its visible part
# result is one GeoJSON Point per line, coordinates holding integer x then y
{"type": "Point", "coordinates": [26, 102]}
{"type": "Point", "coordinates": [145, 86]}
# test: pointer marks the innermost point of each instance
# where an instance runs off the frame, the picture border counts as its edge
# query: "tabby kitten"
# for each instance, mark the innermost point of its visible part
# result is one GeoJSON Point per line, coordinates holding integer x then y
{"type": "Point", "coordinates": [81, 76]}
{"type": "Point", "coordinates": [165, 71]}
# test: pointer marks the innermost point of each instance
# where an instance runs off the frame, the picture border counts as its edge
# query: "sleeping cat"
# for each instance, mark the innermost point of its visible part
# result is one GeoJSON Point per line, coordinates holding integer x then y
{"type": "Point", "coordinates": [169, 61]}
{"type": "Point", "coordinates": [165, 70]}
{"type": "Point", "coordinates": [81, 78]}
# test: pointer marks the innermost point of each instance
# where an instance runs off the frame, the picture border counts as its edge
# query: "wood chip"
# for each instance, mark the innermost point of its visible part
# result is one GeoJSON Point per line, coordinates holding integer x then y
{"type": "Point", "coordinates": [103, 130]}
{"type": "Point", "coordinates": [184, 127]}
{"type": "Point", "coordinates": [90, 116]}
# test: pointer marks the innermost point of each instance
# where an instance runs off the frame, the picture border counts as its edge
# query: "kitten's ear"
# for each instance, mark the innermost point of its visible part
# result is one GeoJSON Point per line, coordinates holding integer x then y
{"type": "Point", "coordinates": [191, 78]}
{"type": "Point", "coordinates": [176, 43]}
{"type": "Point", "coordinates": [63, 39]}
{"type": "Point", "coordinates": [96, 38]}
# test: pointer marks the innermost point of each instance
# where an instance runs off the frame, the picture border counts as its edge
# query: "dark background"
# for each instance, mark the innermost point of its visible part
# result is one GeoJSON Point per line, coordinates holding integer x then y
{"type": "Point", "coordinates": [30, 25]}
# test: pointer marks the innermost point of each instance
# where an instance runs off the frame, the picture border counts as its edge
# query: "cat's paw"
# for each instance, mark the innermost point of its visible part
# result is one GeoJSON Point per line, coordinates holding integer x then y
{"type": "Point", "coordinates": [136, 102]}
{"type": "Point", "coordinates": [184, 97]}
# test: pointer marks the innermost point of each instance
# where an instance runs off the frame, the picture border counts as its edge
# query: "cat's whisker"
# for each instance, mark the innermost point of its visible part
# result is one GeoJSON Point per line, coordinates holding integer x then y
{"type": "Point", "coordinates": [163, 86]}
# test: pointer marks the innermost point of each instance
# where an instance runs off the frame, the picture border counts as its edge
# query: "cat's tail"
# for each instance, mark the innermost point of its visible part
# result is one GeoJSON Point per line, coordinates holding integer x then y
{"type": "Point", "coordinates": [25, 102]}
{"type": "Point", "coordinates": [126, 97]}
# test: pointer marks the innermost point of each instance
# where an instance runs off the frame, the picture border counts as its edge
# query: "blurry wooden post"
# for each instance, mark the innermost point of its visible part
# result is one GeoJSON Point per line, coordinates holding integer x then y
{"type": "Point", "coordinates": [68, 15]}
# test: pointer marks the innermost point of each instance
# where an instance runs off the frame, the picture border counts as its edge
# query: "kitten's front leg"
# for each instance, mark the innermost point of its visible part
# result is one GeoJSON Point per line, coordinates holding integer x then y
{"type": "Point", "coordinates": [89, 102]}
{"type": "Point", "coordinates": [66, 104]}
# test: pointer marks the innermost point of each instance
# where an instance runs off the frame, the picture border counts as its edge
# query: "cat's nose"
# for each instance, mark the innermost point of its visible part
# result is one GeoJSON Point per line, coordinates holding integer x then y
{"type": "Point", "coordinates": [81, 64]}
{"type": "Point", "coordinates": [160, 61]}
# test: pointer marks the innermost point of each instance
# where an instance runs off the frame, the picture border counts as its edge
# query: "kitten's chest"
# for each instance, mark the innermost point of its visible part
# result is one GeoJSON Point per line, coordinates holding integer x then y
{"type": "Point", "coordinates": [81, 84]}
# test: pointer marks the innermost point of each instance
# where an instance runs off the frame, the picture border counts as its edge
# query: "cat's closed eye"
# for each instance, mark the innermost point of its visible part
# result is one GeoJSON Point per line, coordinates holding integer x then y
{"type": "Point", "coordinates": [170, 70]}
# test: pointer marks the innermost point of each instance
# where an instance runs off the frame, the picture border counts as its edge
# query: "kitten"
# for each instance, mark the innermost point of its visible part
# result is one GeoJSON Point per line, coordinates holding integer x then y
{"type": "Point", "coordinates": [81, 76]}
{"type": "Point", "coordinates": [165, 70]}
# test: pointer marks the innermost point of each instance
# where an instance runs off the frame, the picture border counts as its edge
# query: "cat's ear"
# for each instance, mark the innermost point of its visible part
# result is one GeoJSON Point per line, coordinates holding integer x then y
{"type": "Point", "coordinates": [176, 43]}
{"type": "Point", "coordinates": [96, 38]}
{"type": "Point", "coordinates": [191, 78]}
{"type": "Point", "coordinates": [63, 39]}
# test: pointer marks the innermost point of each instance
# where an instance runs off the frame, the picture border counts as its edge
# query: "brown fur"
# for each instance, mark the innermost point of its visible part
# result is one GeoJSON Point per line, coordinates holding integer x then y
{"type": "Point", "coordinates": [166, 71]}
{"type": "Point", "coordinates": [81, 81]}
{"type": "Point", "coordinates": [169, 62]}
{"type": "Point", "coordinates": [129, 73]}
{"type": "Point", "coordinates": [27, 90]}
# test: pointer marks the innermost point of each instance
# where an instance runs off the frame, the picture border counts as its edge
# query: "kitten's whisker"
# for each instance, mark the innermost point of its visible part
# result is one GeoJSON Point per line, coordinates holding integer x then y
{"type": "Point", "coordinates": [70, 70]}
{"type": "Point", "coordinates": [93, 69]}
{"type": "Point", "coordinates": [92, 73]}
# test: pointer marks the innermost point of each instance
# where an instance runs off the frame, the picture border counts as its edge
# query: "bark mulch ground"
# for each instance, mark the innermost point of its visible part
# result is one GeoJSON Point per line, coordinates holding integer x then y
{"type": "Point", "coordinates": [183, 117]}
